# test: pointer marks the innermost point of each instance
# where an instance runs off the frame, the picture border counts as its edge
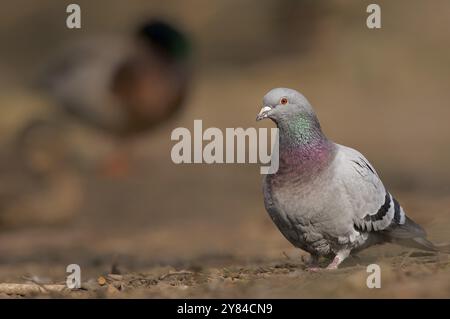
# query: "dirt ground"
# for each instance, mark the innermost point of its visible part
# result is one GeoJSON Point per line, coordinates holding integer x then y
{"type": "Point", "coordinates": [161, 230]}
{"type": "Point", "coordinates": [234, 256]}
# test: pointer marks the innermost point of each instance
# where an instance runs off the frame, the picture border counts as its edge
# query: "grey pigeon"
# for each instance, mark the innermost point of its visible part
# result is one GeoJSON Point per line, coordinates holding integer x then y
{"type": "Point", "coordinates": [326, 198]}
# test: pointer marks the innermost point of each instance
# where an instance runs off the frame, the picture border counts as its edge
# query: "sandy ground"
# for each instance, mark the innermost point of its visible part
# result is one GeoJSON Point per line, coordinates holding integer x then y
{"type": "Point", "coordinates": [186, 259]}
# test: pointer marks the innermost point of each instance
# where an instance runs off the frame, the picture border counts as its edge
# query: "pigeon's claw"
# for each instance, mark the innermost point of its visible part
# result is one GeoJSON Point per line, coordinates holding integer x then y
{"type": "Point", "coordinates": [338, 259]}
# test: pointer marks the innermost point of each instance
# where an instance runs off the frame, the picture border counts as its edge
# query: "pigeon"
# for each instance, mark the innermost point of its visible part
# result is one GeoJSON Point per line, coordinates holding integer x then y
{"type": "Point", "coordinates": [326, 198]}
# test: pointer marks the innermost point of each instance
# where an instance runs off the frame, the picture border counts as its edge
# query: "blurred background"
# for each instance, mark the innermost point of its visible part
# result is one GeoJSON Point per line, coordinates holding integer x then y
{"type": "Point", "coordinates": [86, 116]}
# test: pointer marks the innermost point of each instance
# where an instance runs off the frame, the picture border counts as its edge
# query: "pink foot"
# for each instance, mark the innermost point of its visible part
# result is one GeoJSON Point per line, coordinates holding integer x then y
{"type": "Point", "coordinates": [334, 264]}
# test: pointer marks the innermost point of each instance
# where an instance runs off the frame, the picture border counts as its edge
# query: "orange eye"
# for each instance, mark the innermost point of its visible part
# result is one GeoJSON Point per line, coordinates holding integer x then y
{"type": "Point", "coordinates": [284, 101]}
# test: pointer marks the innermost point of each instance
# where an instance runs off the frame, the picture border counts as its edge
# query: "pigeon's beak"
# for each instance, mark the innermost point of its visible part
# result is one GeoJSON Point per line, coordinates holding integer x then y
{"type": "Point", "coordinates": [264, 113]}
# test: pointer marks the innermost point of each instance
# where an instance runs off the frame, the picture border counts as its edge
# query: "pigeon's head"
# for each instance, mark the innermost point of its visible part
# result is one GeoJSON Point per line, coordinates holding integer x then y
{"type": "Point", "coordinates": [283, 103]}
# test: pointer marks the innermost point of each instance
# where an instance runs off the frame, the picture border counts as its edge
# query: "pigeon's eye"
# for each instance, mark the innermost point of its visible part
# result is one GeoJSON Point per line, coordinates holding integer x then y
{"type": "Point", "coordinates": [283, 101]}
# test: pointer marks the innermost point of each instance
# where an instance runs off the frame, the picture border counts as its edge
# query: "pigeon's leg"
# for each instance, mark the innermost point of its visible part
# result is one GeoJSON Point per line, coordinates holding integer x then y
{"type": "Point", "coordinates": [312, 262]}
{"type": "Point", "coordinates": [340, 257]}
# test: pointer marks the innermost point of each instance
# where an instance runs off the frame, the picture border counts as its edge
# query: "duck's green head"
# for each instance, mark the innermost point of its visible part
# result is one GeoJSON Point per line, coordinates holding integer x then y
{"type": "Point", "coordinates": [167, 39]}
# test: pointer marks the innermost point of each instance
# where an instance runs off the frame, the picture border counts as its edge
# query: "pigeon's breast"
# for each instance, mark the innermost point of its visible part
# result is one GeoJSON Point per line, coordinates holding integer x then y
{"type": "Point", "coordinates": [315, 206]}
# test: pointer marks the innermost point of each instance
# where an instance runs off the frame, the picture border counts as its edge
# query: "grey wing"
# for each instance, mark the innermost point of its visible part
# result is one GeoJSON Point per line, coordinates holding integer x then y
{"type": "Point", "coordinates": [375, 209]}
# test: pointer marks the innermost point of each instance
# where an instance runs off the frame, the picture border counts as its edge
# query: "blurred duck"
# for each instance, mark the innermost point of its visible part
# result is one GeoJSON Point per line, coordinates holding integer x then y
{"type": "Point", "coordinates": [119, 86]}
{"type": "Point", "coordinates": [124, 86]}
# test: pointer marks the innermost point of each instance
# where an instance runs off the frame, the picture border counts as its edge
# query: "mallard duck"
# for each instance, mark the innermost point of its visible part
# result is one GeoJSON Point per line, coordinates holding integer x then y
{"type": "Point", "coordinates": [121, 85]}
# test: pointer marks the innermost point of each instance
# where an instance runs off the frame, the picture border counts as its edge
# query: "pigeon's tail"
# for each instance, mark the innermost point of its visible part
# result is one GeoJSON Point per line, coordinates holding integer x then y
{"type": "Point", "coordinates": [424, 244]}
{"type": "Point", "coordinates": [411, 234]}
{"type": "Point", "coordinates": [443, 248]}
